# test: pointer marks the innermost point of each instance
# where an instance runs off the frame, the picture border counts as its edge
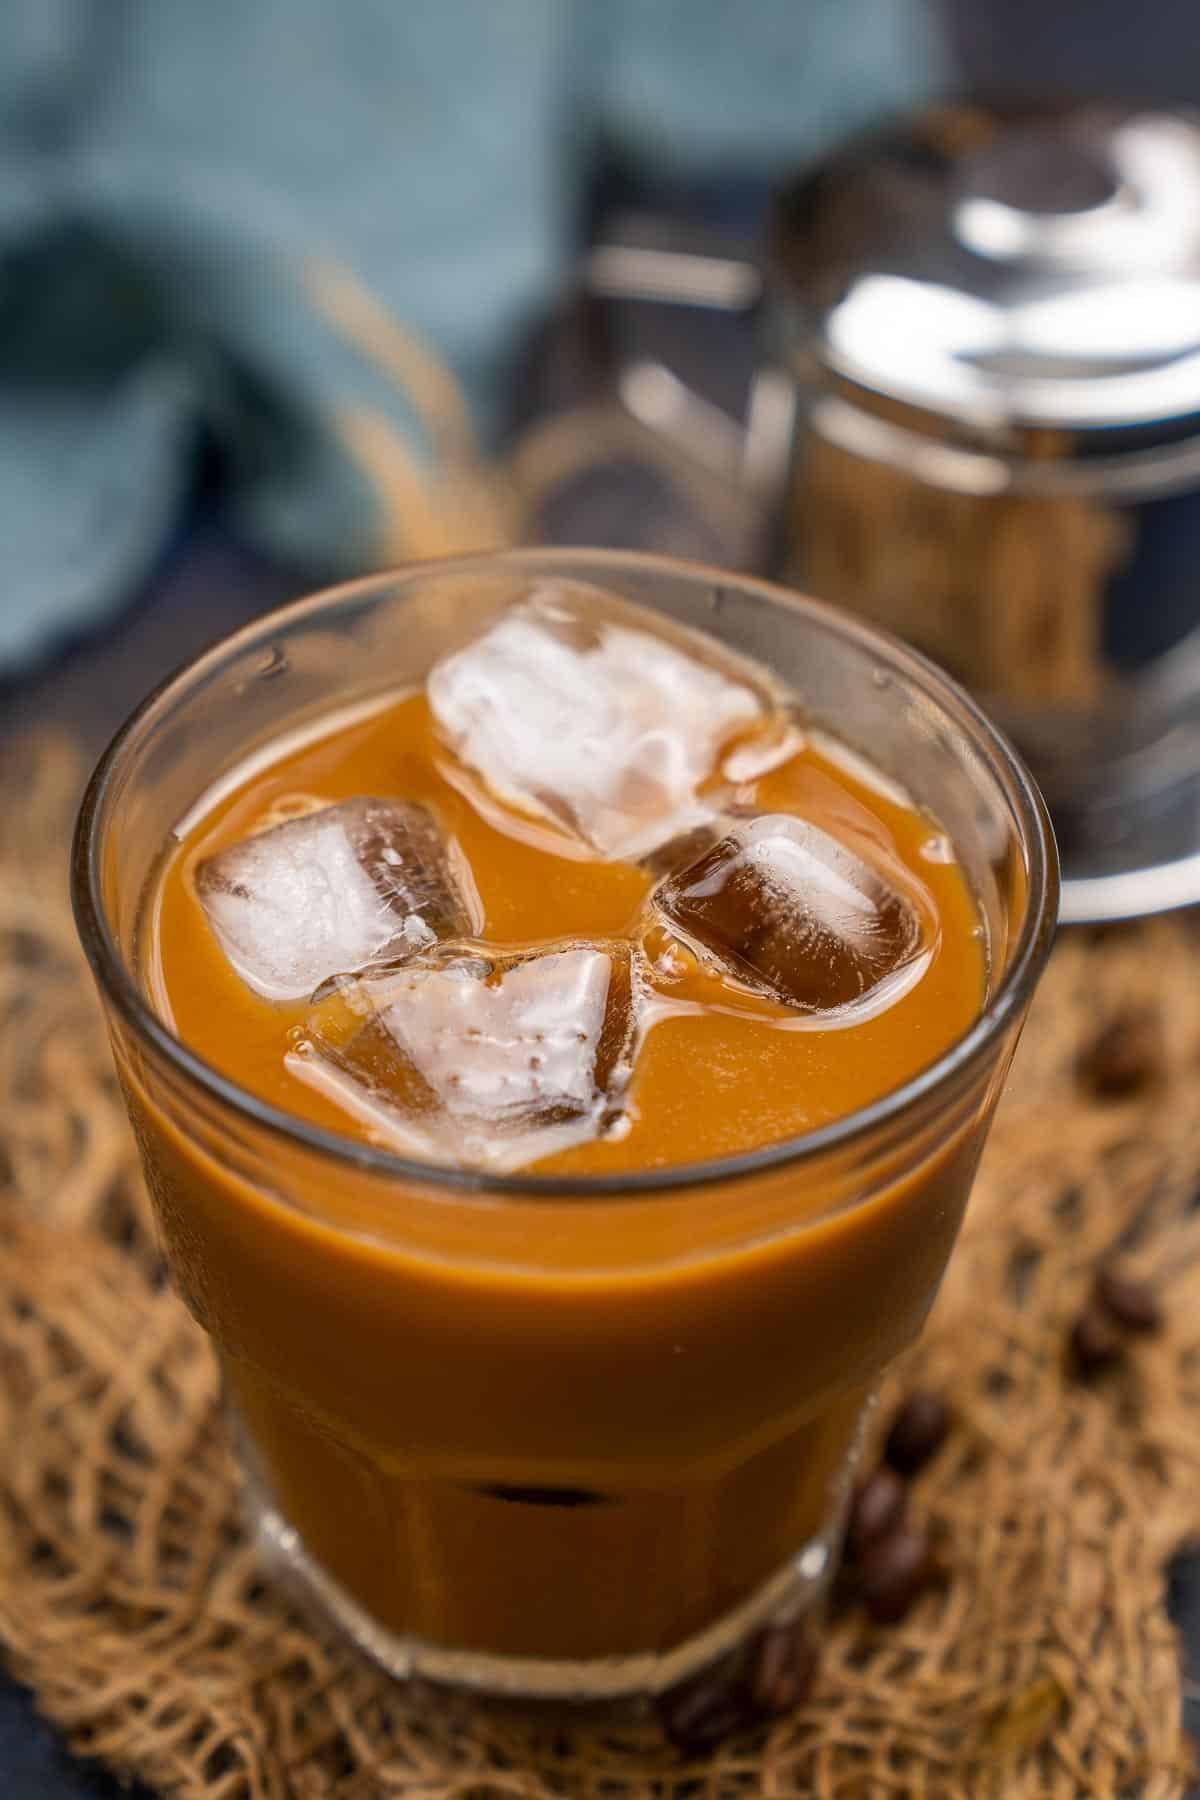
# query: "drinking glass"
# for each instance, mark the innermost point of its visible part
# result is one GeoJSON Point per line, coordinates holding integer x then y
{"type": "Point", "coordinates": [535, 1435]}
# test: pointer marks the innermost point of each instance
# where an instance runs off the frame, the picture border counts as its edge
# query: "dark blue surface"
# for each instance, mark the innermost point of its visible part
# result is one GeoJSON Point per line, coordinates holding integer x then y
{"type": "Point", "coordinates": [34, 1765]}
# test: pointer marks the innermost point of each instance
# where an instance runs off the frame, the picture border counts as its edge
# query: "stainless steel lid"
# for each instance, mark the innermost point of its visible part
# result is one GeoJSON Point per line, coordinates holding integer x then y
{"type": "Point", "coordinates": [1034, 267]}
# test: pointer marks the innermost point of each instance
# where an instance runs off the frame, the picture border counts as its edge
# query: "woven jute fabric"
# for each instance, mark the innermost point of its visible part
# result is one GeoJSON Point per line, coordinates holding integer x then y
{"type": "Point", "coordinates": [136, 1608]}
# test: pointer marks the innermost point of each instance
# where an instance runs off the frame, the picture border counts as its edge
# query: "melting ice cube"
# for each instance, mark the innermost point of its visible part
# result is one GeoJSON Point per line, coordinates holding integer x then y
{"type": "Point", "coordinates": [333, 891]}
{"type": "Point", "coordinates": [603, 728]}
{"type": "Point", "coordinates": [482, 1060]}
{"type": "Point", "coordinates": [793, 912]}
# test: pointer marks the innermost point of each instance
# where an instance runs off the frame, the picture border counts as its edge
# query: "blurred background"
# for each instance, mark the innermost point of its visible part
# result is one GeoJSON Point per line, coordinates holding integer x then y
{"type": "Point", "coordinates": [291, 291]}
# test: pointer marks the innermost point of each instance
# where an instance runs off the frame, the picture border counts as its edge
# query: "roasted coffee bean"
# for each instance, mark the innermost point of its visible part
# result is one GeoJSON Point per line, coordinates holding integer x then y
{"type": "Point", "coordinates": [917, 1432]}
{"type": "Point", "coordinates": [1125, 1056]}
{"type": "Point", "coordinates": [1131, 1304]}
{"type": "Point", "coordinates": [895, 1572]}
{"type": "Point", "coordinates": [877, 1507]}
{"type": "Point", "coordinates": [699, 1713]}
{"type": "Point", "coordinates": [781, 1666]}
{"type": "Point", "coordinates": [1095, 1344]}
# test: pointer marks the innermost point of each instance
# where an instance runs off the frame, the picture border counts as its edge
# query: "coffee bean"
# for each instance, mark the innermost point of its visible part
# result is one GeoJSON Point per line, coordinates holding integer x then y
{"type": "Point", "coordinates": [1125, 1056]}
{"type": "Point", "coordinates": [878, 1505]}
{"type": "Point", "coordinates": [772, 1676]}
{"type": "Point", "coordinates": [895, 1572]}
{"type": "Point", "coordinates": [781, 1666]}
{"type": "Point", "coordinates": [1131, 1304]}
{"type": "Point", "coordinates": [1094, 1343]}
{"type": "Point", "coordinates": [699, 1713]}
{"type": "Point", "coordinates": [917, 1432]}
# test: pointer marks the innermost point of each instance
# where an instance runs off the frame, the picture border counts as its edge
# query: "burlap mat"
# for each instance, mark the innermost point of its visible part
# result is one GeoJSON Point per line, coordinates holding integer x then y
{"type": "Point", "coordinates": [132, 1603]}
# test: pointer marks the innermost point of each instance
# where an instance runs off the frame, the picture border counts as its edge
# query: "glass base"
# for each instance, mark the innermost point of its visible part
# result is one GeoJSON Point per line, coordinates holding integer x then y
{"type": "Point", "coordinates": [795, 1591]}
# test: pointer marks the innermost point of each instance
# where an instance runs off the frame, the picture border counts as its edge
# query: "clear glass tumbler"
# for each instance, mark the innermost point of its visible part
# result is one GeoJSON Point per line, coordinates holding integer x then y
{"type": "Point", "coordinates": [535, 1435]}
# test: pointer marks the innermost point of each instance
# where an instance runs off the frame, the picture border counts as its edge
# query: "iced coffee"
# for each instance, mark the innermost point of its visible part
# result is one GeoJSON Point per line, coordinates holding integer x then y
{"type": "Point", "coordinates": [549, 1280]}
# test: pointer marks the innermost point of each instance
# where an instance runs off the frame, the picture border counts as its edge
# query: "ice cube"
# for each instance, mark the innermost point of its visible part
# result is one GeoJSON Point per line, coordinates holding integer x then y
{"type": "Point", "coordinates": [792, 912]}
{"type": "Point", "coordinates": [489, 1061]}
{"type": "Point", "coordinates": [334, 890]}
{"type": "Point", "coordinates": [603, 727]}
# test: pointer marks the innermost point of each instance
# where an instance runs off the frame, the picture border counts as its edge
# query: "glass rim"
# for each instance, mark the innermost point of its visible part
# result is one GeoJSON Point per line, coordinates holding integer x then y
{"type": "Point", "coordinates": [121, 990]}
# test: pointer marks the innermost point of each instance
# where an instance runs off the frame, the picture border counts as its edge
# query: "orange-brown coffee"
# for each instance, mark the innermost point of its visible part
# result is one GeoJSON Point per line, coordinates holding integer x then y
{"type": "Point", "coordinates": [521, 962]}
